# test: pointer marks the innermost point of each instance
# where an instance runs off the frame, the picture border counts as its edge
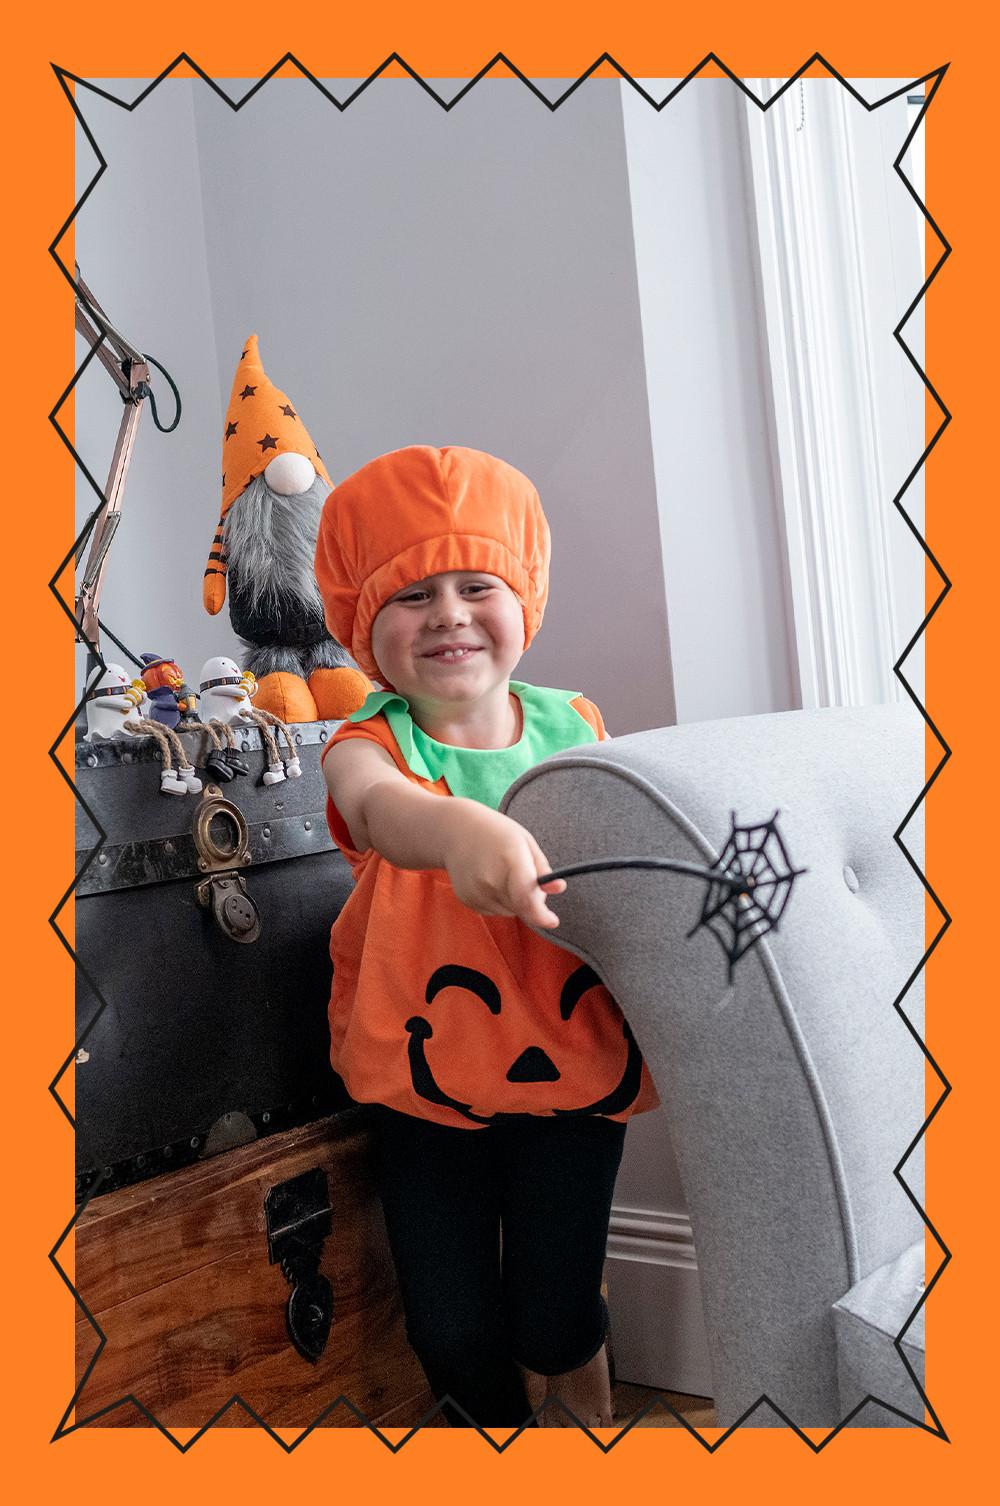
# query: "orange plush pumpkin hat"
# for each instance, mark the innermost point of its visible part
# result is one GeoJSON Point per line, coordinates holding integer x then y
{"type": "Point", "coordinates": [260, 424]}
{"type": "Point", "coordinates": [418, 512]}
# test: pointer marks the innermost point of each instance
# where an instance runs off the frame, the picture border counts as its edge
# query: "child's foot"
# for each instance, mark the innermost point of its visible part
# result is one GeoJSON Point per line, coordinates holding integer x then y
{"type": "Point", "coordinates": [586, 1392]}
{"type": "Point", "coordinates": [535, 1387]}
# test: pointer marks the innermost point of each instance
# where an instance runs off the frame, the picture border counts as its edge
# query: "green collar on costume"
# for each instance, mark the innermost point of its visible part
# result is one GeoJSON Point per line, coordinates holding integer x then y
{"type": "Point", "coordinates": [484, 774]}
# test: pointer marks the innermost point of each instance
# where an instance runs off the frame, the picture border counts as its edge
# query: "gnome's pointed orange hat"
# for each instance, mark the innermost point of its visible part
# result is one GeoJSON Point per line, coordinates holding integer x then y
{"type": "Point", "coordinates": [418, 512]}
{"type": "Point", "coordinates": [260, 424]}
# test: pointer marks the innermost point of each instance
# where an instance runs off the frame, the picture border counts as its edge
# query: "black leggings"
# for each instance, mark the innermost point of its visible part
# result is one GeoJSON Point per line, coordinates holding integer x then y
{"type": "Point", "coordinates": [471, 1313]}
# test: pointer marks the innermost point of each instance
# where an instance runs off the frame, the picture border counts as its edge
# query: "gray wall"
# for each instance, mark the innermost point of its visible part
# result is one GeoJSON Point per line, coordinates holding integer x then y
{"type": "Point", "coordinates": [709, 401]}
{"type": "Point", "coordinates": [141, 246]}
{"type": "Point", "coordinates": [413, 277]}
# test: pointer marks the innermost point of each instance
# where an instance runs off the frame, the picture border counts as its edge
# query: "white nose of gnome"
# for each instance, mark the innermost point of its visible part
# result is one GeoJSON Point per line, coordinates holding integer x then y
{"type": "Point", "coordinates": [290, 474]}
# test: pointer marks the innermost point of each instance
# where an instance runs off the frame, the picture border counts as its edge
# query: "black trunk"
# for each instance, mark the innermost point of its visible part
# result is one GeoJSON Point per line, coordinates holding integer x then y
{"type": "Point", "coordinates": [192, 1036]}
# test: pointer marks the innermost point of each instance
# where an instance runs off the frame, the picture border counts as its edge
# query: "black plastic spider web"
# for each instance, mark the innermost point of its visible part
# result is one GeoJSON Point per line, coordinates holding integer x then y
{"type": "Point", "coordinates": [749, 884]}
{"type": "Point", "coordinates": [739, 917]}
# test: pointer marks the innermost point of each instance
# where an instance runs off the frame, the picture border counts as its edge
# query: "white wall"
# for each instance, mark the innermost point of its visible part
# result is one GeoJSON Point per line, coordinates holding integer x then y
{"type": "Point", "coordinates": [840, 259]}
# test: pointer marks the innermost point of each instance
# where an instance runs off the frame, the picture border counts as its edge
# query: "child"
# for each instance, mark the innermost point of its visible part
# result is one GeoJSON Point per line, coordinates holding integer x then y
{"type": "Point", "coordinates": [503, 1072]}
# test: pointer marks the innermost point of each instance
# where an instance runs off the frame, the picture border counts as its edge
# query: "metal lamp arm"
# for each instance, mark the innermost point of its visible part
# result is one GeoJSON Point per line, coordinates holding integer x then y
{"type": "Point", "coordinates": [130, 373]}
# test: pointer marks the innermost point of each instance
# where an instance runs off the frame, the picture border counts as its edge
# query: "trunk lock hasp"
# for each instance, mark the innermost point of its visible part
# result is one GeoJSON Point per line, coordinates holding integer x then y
{"type": "Point", "coordinates": [222, 839]}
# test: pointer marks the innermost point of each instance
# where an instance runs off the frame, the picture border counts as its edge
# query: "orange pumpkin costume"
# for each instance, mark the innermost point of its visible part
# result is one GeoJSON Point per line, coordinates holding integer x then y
{"type": "Point", "coordinates": [437, 1011]}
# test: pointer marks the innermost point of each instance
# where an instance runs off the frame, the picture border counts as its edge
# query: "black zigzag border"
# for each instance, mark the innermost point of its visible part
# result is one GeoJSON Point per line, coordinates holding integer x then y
{"type": "Point", "coordinates": [934, 78]}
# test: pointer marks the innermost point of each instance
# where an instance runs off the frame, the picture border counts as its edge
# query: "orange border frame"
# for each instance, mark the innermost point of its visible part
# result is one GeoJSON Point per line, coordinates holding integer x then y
{"type": "Point", "coordinates": [545, 41]}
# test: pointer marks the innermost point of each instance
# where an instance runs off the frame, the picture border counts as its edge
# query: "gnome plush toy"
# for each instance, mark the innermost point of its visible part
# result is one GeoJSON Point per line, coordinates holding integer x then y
{"type": "Point", "coordinates": [273, 487]}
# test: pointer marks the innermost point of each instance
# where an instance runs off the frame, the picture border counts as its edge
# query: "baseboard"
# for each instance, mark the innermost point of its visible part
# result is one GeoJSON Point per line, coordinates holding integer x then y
{"type": "Point", "coordinates": [655, 1301]}
{"type": "Point", "coordinates": [651, 1235]}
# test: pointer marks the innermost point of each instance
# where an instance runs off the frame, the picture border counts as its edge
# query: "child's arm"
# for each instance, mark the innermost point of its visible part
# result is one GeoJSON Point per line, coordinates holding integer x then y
{"type": "Point", "coordinates": [493, 862]}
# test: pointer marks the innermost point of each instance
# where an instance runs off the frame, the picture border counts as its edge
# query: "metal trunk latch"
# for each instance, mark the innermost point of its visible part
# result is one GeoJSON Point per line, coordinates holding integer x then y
{"type": "Point", "coordinates": [222, 839]}
{"type": "Point", "coordinates": [299, 1218]}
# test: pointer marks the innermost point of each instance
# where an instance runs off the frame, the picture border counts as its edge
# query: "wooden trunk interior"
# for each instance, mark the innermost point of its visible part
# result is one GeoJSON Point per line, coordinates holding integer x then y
{"type": "Point", "coordinates": [176, 1273]}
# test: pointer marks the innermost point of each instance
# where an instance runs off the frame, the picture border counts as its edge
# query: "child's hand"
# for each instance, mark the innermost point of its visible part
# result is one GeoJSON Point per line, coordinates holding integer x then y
{"type": "Point", "coordinates": [494, 865]}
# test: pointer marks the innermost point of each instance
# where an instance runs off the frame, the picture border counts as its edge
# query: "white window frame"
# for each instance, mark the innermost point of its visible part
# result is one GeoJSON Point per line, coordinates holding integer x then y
{"type": "Point", "coordinates": [845, 413]}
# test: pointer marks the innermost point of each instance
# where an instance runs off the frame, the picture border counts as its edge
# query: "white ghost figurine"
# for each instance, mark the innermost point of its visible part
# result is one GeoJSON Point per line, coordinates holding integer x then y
{"type": "Point", "coordinates": [112, 701]}
{"type": "Point", "coordinates": [223, 692]}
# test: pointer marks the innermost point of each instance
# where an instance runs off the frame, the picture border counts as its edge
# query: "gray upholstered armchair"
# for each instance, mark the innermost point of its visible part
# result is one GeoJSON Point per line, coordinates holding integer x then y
{"type": "Point", "coordinates": [792, 1094]}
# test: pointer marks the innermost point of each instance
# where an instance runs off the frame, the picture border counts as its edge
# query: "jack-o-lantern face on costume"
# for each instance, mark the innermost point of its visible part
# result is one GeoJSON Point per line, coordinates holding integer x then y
{"type": "Point", "coordinates": [532, 1065]}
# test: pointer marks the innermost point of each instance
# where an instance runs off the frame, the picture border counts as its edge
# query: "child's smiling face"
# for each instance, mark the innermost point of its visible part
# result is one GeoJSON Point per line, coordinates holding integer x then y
{"type": "Point", "coordinates": [451, 637]}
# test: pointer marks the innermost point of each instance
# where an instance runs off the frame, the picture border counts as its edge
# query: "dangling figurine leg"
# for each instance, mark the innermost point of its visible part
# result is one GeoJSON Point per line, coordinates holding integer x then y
{"type": "Point", "coordinates": [230, 756]}
{"type": "Point", "coordinates": [170, 783]}
{"type": "Point", "coordinates": [185, 770]}
{"type": "Point", "coordinates": [292, 766]}
{"type": "Point", "coordinates": [275, 771]}
{"type": "Point", "coordinates": [216, 763]}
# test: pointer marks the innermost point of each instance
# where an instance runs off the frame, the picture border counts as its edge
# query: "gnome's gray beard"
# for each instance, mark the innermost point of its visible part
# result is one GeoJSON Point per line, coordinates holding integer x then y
{"type": "Point", "coordinates": [270, 542]}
